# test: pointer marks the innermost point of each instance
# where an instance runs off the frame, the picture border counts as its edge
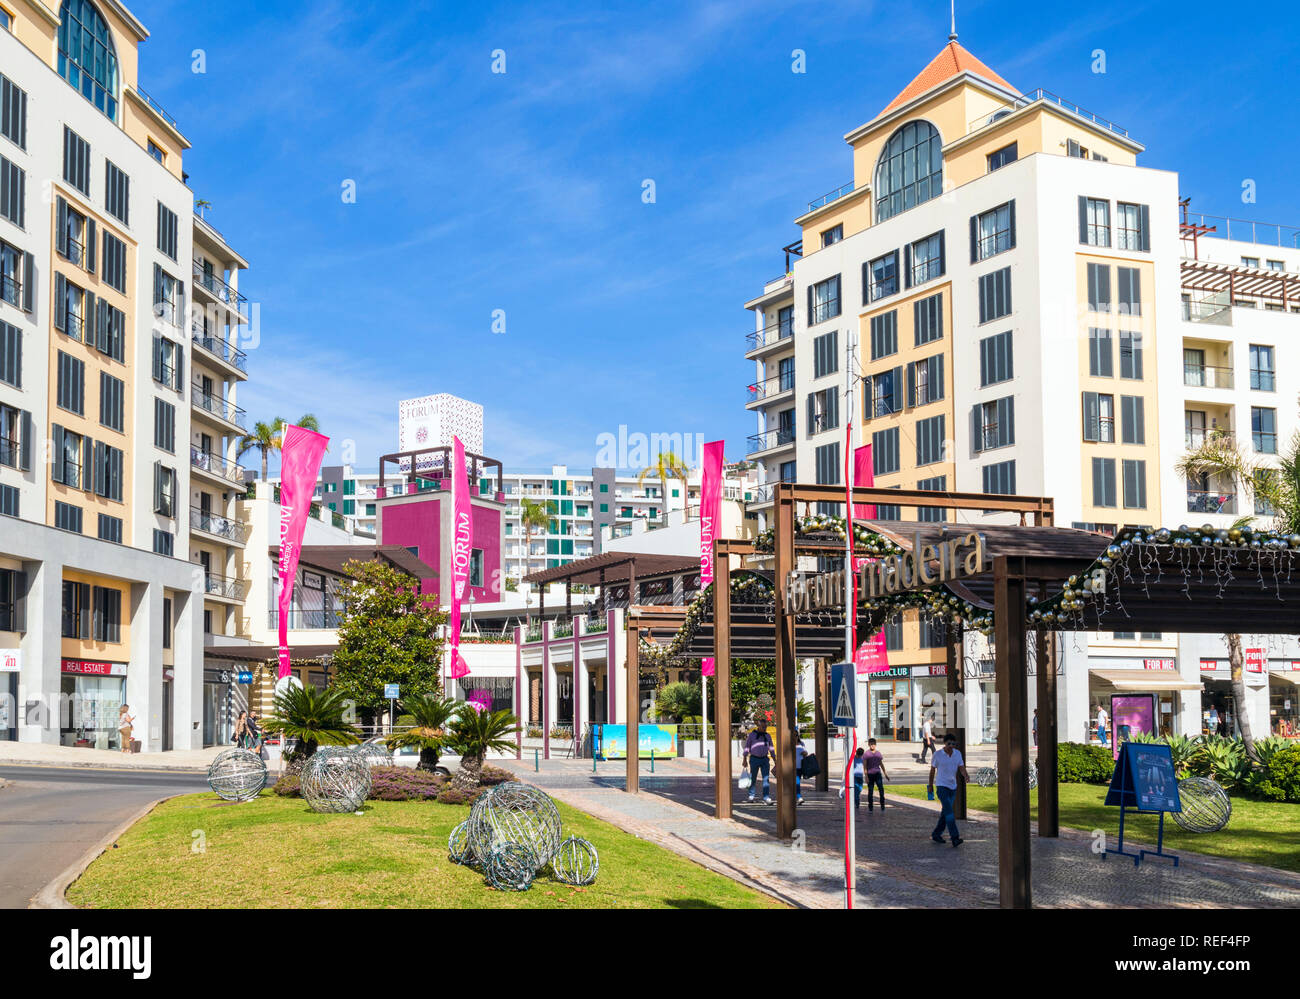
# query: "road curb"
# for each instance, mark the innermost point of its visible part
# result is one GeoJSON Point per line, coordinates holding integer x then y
{"type": "Point", "coordinates": [60, 765]}
{"type": "Point", "coordinates": [54, 894]}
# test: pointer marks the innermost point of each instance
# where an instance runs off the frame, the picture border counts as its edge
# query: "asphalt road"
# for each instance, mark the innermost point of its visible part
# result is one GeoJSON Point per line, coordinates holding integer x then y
{"type": "Point", "coordinates": [50, 816]}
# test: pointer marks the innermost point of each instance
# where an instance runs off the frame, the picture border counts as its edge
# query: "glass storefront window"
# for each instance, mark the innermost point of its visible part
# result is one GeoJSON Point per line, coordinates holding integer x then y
{"type": "Point", "coordinates": [1283, 708]}
{"type": "Point", "coordinates": [88, 714]}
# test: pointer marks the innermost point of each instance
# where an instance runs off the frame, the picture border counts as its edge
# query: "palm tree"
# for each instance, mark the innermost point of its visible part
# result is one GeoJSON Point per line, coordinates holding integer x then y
{"type": "Point", "coordinates": [313, 718]}
{"type": "Point", "coordinates": [532, 517]}
{"type": "Point", "coordinates": [1274, 489]}
{"type": "Point", "coordinates": [431, 714]}
{"type": "Point", "coordinates": [476, 733]}
{"type": "Point", "coordinates": [667, 466]}
{"type": "Point", "coordinates": [268, 437]}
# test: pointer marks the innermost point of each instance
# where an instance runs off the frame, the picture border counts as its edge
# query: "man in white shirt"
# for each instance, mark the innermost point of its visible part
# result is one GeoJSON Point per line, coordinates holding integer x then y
{"type": "Point", "coordinates": [1103, 724]}
{"type": "Point", "coordinates": [945, 767]}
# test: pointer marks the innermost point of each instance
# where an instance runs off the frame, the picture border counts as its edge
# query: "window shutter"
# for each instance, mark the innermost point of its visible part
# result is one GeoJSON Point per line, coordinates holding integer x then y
{"type": "Point", "coordinates": [61, 229]}
{"type": "Point", "coordinates": [99, 477]}
{"type": "Point", "coordinates": [1144, 227]}
{"type": "Point", "coordinates": [1083, 219]}
{"type": "Point", "coordinates": [1098, 484]}
{"type": "Point", "coordinates": [101, 326]}
{"type": "Point", "coordinates": [1091, 417]}
{"type": "Point", "coordinates": [25, 447]}
{"type": "Point", "coordinates": [897, 401]}
{"type": "Point", "coordinates": [29, 283]}
{"type": "Point", "coordinates": [1007, 420]}
{"type": "Point", "coordinates": [985, 349]}
{"type": "Point", "coordinates": [86, 610]}
{"type": "Point", "coordinates": [833, 407]}
{"type": "Point", "coordinates": [866, 398]}
{"type": "Point", "coordinates": [976, 431]}
{"type": "Point", "coordinates": [937, 389]}
{"type": "Point", "coordinates": [157, 289]}
{"type": "Point", "coordinates": [20, 603]}
{"type": "Point", "coordinates": [58, 468]}
{"type": "Point", "coordinates": [907, 266]}
{"type": "Point", "coordinates": [157, 487]}
{"type": "Point", "coordinates": [157, 358]}
{"type": "Point", "coordinates": [1011, 211]}
{"type": "Point", "coordinates": [90, 246]}
{"type": "Point", "coordinates": [810, 306]}
{"type": "Point", "coordinates": [943, 255]}
{"type": "Point", "coordinates": [974, 238]}
{"type": "Point", "coordinates": [812, 413]}
{"type": "Point", "coordinates": [88, 319]}
{"type": "Point", "coordinates": [911, 385]}
{"type": "Point", "coordinates": [87, 463]}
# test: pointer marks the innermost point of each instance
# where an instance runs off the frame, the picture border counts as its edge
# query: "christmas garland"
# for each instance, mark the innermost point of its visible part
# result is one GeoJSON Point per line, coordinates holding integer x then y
{"type": "Point", "coordinates": [831, 529]}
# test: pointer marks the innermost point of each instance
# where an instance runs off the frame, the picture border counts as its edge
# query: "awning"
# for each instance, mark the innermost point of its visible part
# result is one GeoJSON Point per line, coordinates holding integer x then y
{"type": "Point", "coordinates": [1292, 676]}
{"type": "Point", "coordinates": [1146, 679]}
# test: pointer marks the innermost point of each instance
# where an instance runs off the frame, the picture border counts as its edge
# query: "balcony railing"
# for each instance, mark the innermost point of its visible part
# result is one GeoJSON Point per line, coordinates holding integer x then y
{"type": "Point", "coordinates": [1262, 379]}
{"type": "Point", "coordinates": [74, 326]}
{"type": "Point", "coordinates": [1200, 501]}
{"type": "Point", "coordinates": [1244, 230]}
{"type": "Point", "coordinates": [224, 586]}
{"type": "Point", "coordinates": [830, 196]}
{"type": "Point", "coordinates": [768, 335]}
{"type": "Point", "coordinates": [1207, 310]}
{"type": "Point", "coordinates": [220, 290]}
{"type": "Point", "coordinates": [1264, 441]}
{"type": "Point", "coordinates": [597, 623]}
{"type": "Point", "coordinates": [161, 111]}
{"type": "Point", "coordinates": [1207, 376]}
{"type": "Point", "coordinates": [1198, 437]}
{"type": "Point", "coordinates": [821, 311]}
{"type": "Point", "coordinates": [320, 618]}
{"type": "Point", "coordinates": [769, 439]}
{"type": "Point", "coordinates": [11, 289]}
{"type": "Point", "coordinates": [217, 465]}
{"type": "Point", "coordinates": [775, 385]}
{"type": "Point", "coordinates": [219, 347]}
{"type": "Point", "coordinates": [222, 527]}
{"type": "Point", "coordinates": [212, 403]}
{"type": "Point", "coordinates": [1031, 97]}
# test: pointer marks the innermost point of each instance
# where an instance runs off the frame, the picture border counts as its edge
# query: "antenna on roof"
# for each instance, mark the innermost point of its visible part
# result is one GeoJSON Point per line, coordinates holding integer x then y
{"type": "Point", "coordinates": [952, 7]}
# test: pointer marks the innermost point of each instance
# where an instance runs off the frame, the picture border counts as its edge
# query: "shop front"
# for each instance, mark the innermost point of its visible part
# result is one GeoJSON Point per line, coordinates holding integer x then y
{"type": "Point", "coordinates": [218, 707]}
{"type": "Point", "coordinates": [91, 695]}
{"type": "Point", "coordinates": [1284, 698]}
{"type": "Point", "coordinates": [1140, 696]}
{"type": "Point", "coordinates": [10, 667]}
{"type": "Point", "coordinates": [929, 696]}
{"type": "Point", "coordinates": [890, 699]}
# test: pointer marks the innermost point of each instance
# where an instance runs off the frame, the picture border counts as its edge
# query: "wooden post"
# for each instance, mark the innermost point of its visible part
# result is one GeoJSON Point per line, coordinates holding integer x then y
{"type": "Point", "coordinates": [633, 704]}
{"type": "Point", "coordinates": [721, 684]}
{"type": "Point", "coordinates": [568, 598]}
{"type": "Point", "coordinates": [955, 722]}
{"type": "Point", "coordinates": [1049, 808]}
{"type": "Point", "coordinates": [786, 666]}
{"type": "Point", "coordinates": [822, 781]}
{"type": "Point", "coordinates": [1013, 742]}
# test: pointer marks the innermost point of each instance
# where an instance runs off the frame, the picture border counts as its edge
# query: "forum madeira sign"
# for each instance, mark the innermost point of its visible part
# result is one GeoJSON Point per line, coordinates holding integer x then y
{"type": "Point", "coordinates": [925, 565]}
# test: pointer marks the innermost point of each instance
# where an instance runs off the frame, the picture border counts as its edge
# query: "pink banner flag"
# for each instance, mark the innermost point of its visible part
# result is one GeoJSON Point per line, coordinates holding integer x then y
{"type": "Point", "coordinates": [870, 656]}
{"type": "Point", "coordinates": [300, 457]}
{"type": "Point", "coordinates": [461, 551]}
{"type": "Point", "coordinates": [710, 518]}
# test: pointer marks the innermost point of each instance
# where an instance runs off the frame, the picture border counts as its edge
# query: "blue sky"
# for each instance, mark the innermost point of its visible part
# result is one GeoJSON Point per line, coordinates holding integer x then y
{"type": "Point", "coordinates": [522, 191]}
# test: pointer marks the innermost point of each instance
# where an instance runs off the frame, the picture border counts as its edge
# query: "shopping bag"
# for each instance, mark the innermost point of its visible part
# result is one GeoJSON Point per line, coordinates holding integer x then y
{"type": "Point", "coordinates": [744, 782]}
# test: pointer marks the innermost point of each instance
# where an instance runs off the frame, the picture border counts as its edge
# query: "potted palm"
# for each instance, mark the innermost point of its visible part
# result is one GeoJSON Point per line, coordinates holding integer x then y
{"type": "Point", "coordinates": [311, 718]}
{"type": "Point", "coordinates": [430, 713]}
{"type": "Point", "coordinates": [474, 734]}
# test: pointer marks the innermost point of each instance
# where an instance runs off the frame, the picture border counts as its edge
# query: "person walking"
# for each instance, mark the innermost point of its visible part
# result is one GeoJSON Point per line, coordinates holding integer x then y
{"type": "Point", "coordinates": [241, 730]}
{"type": "Point", "coordinates": [255, 737]}
{"type": "Point", "coordinates": [858, 770]}
{"type": "Point", "coordinates": [1035, 726]}
{"type": "Point", "coordinates": [758, 757]}
{"type": "Point", "coordinates": [874, 763]}
{"type": "Point", "coordinates": [799, 753]}
{"type": "Point", "coordinates": [1212, 727]}
{"type": "Point", "coordinates": [1103, 724]}
{"type": "Point", "coordinates": [125, 726]}
{"type": "Point", "coordinates": [945, 767]}
{"type": "Point", "coordinates": [927, 743]}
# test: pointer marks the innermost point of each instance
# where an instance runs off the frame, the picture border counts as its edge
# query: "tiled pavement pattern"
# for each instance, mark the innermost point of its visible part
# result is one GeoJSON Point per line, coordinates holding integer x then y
{"type": "Point", "coordinates": [898, 864]}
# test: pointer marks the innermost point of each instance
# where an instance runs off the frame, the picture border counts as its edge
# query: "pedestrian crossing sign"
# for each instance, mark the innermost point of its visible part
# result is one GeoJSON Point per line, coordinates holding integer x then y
{"type": "Point", "coordinates": [844, 686]}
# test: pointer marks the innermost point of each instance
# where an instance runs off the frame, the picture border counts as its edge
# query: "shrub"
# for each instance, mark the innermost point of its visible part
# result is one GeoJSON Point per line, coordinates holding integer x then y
{"type": "Point", "coordinates": [452, 795]}
{"type": "Point", "coordinates": [401, 784]}
{"type": "Point", "coordinates": [1279, 779]}
{"type": "Point", "coordinates": [534, 732]}
{"type": "Point", "coordinates": [288, 786]}
{"type": "Point", "coordinates": [1078, 763]}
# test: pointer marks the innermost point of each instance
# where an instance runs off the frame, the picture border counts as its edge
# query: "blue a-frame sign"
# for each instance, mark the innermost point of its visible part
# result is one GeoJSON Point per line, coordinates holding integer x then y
{"type": "Point", "coordinates": [1144, 780]}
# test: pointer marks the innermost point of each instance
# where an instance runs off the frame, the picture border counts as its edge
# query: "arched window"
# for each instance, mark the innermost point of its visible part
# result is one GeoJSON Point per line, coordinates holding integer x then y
{"type": "Point", "coordinates": [910, 169]}
{"type": "Point", "coordinates": [87, 59]}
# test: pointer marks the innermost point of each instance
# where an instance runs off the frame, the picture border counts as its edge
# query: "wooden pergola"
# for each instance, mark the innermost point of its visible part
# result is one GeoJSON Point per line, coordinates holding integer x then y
{"type": "Point", "coordinates": [1031, 582]}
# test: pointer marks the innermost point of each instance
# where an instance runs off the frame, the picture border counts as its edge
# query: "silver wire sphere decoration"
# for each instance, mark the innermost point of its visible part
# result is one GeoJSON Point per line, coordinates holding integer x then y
{"type": "Point", "coordinates": [237, 775]}
{"type": "Point", "coordinates": [335, 781]}
{"type": "Point", "coordinates": [458, 851]}
{"type": "Point", "coordinates": [985, 777]}
{"type": "Point", "coordinates": [515, 813]}
{"type": "Point", "coordinates": [576, 862]}
{"type": "Point", "coordinates": [374, 754]}
{"type": "Point", "coordinates": [1033, 775]}
{"type": "Point", "coordinates": [1206, 805]}
{"type": "Point", "coordinates": [511, 867]}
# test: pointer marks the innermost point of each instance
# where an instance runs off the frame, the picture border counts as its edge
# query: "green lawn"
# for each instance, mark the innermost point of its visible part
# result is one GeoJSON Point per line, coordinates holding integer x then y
{"type": "Point", "coordinates": [1259, 832]}
{"type": "Point", "coordinates": [275, 853]}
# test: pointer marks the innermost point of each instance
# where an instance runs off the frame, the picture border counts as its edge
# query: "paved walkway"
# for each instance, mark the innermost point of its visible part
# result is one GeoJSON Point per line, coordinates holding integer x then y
{"type": "Point", "coordinates": [898, 864]}
{"type": "Point", "coordinates": [72, 756]}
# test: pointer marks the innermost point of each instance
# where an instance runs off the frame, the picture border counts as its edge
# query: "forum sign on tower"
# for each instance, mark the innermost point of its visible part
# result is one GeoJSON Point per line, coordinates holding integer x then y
{"type": "Point", "coordinates": [433, 421]}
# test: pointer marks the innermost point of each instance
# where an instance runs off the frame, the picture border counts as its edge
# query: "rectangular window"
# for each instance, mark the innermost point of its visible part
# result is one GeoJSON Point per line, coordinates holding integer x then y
{"type": "Point", "coordinates": [112, 402]}
{"type": "Point", "coordinates": [109, 329]}
{"type": "Point", "coordinates": [996, 364]}
{"type": "Point", "coordinates": [76, 161]}
{"type": "Point", "coordinates": [163, 542]}
{"type": "Point", "coordinates": [894, 634]}
{"type": "Point", "coordinates": [826, 354]}
{"type": "Point", "coordinates": [1000, 478]}
{"type": "Point", "coordinates": [167, 230]}
{"type": "Point", "coordinates": [1131, 227]}
{"type": "Point", "coordinates": [117, 193]}
{"type": "Point", "coordinates": [13, 112]}
{"type": "Point", "coordinates": [884, 335]}
{"type": "Point", "coordinates": [1101, 354]}
{"type": "Point", "coordinates": [1001, 157]}
{"type": "Point", "coordinates": [164, 490]}
{"type": "Point", "coordinates": [11, 355]}
{"type": "Point", "coordinates": [164, 426]}
{"type": "Point", "coordinates": [1132, 419]}
{"type": "Point", "coordinates": [1098, 288]}
{"type": "Point", "coordinates": [110, 528]}
{"type": "Point", "coordinates": [1129, 280]}
{"type": "Point", "coordinates": [883, 394]}
{"type": "Point", "coordinates": [68, 458]}
{"type": "Point", "coordinates": [77, 609]}
{"type": "Point", "coordinates": [156, 151]}
{"type": "Point", "coordinates": [73, 309]}
{"type": "Point", "coordinates": [1250, 261]}
{"type": "Point", "coordinates": [9, 501]}
{"type": "Point", "coordinates": [1130, 355]}
{"type": "Point", "coordinates": [929, 440]}
{"type": "Point", "coordinates": [823, 410]}
{"type": "Point", "coordinates": [13, 193]}
{"type": "Point", "coordinates": [884, 451]}
{"type": "Point", "coordinates": [880, 277]}
{"type": "Point", "coordinates": [1261, 368]}
{"type": "Point", "coordinates": [16, 433]}
{"type": "Point", "coordinates": [993, 232]}
{"type": "Point", "coordinates": [168, 296]}
{"type": "Point", "coordinates": [71, 388]}
{"type": "Point", "coordinates": [107, 479]}
{"type": "Point", "coordinates": [937, 484]}
{"type": "Point", "coordinates": [1135, 484]}
{"type": "Point", "coordinates": [1103, 482]}
{"type": "Point", "coordinates": [827, 464]}
{"type": "Point", "coordinates": [74, 235]}
{"type": "Point", "coordinates": [1263, 429]}
{"type": "Point", "coordinates": [114, 262]}
{"type": "Point", "coordinates": [925, 259]}
{"type": "Point", "coordinates": [925, 381]}
{"type": "Point", "coordinates": [1098, 418]}
{"type": "Point", "coordinates": [67, 517]}
{"type": "Point", "coordinates": [995, 423]}
{"type": "Point", "coordinates": [833, 235]}
{"type": "Point", "coordinates": [995, 295]}
{"type": "Point", "coordinates": [934, 632]}
{"type": "Point", "coordinates": [1094, 221]}
{"type": "Point", "coordinates": [824, 300]}
{"type": "Point", "coordinates": [927, 320]}
{"type": "Point", "coordinates": [17, 277]}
